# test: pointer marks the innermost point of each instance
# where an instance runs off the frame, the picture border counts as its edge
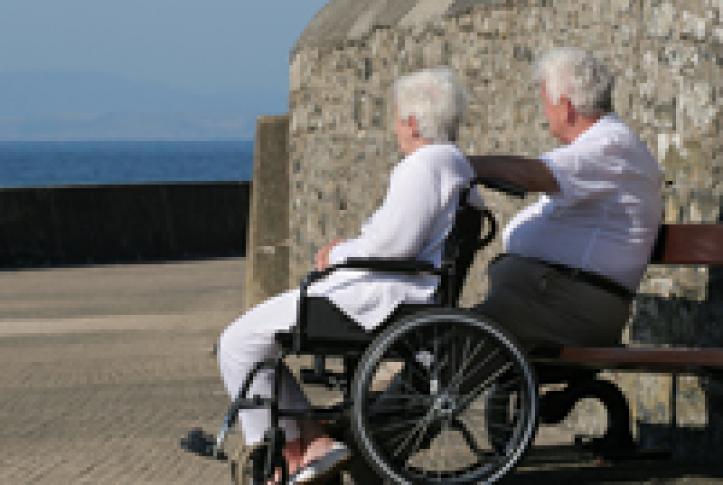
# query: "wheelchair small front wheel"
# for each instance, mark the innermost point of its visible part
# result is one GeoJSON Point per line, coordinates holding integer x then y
{"type": "Point", "coordinates": [422, 395]}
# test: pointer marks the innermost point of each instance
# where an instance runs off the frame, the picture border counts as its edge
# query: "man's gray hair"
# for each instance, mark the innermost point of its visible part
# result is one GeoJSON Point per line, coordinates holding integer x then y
{"type": "Point", "coordinates": [578, 75]}
{"type": "Point", "coordinates": [435, 98]}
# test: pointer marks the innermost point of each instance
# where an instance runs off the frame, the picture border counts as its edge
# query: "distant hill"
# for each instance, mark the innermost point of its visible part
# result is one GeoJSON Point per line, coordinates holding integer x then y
{"type": "Point", "coordinates": [50, 105]}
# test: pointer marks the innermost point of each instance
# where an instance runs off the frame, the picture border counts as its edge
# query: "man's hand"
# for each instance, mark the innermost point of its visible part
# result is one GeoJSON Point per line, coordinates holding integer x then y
{"type": "Point", "coordinates": [321, 260]}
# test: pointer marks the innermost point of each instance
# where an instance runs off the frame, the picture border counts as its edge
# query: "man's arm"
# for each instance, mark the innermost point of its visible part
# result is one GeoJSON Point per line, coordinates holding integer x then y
{"type": "Point", "coordinates": [530, 173]}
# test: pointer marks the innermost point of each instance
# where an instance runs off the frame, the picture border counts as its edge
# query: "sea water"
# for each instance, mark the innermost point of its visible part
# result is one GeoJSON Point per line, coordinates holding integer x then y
{"type": "Point", "coordinates": [44, 164]}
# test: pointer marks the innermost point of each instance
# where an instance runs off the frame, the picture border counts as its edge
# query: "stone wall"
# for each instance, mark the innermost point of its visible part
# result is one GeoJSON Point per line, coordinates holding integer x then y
{"type": "Point", "coordinates": [114, 223]}
{"type": "Point", "coordinates": [667, 56]}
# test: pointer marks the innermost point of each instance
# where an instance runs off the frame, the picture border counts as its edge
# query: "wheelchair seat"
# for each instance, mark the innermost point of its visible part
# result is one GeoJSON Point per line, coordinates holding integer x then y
{"type": "Point", "coordinates": [322, 328]}
{"type": "Point", "coordinates": [330, 331]}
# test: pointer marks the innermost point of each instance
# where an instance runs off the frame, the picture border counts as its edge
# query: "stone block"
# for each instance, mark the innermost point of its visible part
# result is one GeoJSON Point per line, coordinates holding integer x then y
{"type": "Point", "coordinates": [267, 255]}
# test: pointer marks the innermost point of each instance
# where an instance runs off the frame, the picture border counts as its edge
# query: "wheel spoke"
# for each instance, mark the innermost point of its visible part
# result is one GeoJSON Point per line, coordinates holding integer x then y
{"type": "Point", "coordinates": [475, 372]}
{"type": "Point", "coordinates": [507, 384]}
{"type": "Point", "coordinates": [501, 426]}
{"type": "Point", "coordinates": [395, 425]}
{"type": "Point", "coordinates": [419, 430]}
{"type": "Point", "coordinates": [459, 377]}
{"type": "Point", "coordinates": [482, 387]}
{"type": "Point", "coordinates": [443, 453]}
{"type": "Point", "coordinates": [390, 405]}
{"type": "Point", "coordinates": [473, 411]}
{"type": "Point", "coordinates": [410, 387]}
{"type": "Point", "coordinates": [412, 364]}
{"type": "Point", "coordinates": [469, 438]}
{"type": "Point", "coordinates": [424, 398]}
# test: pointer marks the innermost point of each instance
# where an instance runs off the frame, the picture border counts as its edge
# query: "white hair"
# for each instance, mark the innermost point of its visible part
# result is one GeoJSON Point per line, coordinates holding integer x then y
{"type": "Point", "coordinates": [435, 98]}
{"type": "Point", "coordinates": [578, 75]}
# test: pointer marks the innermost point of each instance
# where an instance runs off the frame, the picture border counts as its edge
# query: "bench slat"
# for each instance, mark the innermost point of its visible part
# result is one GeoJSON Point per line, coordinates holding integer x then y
{"type": "Point", "coordinates": [642, 358]}
{"type": "Point", "coordinates": [689, 244]}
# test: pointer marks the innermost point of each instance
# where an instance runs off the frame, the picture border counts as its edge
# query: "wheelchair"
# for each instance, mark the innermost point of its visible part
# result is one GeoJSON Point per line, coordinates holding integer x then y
{"type": "Point", "coordinates": [435, 394]}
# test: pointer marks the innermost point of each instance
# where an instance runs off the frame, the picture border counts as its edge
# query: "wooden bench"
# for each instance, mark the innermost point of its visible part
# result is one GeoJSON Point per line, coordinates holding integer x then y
{"type": "Point", "coordinates": [678, 244]}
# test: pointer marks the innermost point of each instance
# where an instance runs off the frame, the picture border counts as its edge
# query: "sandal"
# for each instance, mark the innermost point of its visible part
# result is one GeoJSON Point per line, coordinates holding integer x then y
{"type": "Point", "coordinates": [322, 468]}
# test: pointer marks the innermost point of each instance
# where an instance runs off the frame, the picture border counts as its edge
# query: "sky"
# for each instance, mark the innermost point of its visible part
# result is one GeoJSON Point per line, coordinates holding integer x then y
{"type": "Point", "coordinates": [139, 69]}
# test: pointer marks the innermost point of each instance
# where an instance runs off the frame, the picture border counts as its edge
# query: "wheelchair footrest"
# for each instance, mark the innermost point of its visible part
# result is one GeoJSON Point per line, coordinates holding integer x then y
{"type": "Point", "coordinates": [200, 443]}
{"type": "Point", "coordinates": [326, 378]}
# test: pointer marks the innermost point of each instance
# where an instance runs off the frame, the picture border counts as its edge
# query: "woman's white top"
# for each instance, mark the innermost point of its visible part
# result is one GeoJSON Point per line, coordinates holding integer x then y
{"type": "Point", "coordinates": [606, 215]}
{"type": "Point", "coordinates": [412, 222]}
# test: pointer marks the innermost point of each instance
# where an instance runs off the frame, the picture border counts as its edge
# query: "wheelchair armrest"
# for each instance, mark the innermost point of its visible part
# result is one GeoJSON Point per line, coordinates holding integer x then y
{"type": "Point", "coordinates": [383, 265]}
{"type": "Point", "coordinates": [388, 265]}
{"type": "Point", "coordinates": [394, 265]}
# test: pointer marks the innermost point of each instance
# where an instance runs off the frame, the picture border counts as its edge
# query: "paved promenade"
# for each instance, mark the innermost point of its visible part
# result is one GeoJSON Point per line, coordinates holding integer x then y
{"type": "Point", "coordinates": [103, 368]}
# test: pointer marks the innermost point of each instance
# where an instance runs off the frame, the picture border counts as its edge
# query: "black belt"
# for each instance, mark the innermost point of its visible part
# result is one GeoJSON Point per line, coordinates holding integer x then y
{"type": "Point", "coordinates": [593, 279]}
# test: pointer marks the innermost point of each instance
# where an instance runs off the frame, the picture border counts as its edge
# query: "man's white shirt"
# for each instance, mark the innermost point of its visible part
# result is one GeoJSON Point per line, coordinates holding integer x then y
{"type": "Point", "coordinates": [413, 221]}
{"type": "Point", "coordinates": [606, 215]}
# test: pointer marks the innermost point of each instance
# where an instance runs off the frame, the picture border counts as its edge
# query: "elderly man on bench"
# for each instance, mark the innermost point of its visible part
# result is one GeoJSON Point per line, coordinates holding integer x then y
{"type": "Point", "coordinates": [574, 259]}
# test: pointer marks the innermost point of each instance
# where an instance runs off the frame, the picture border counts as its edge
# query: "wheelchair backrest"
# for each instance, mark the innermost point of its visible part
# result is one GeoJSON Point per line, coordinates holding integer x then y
{"type": "Point", "coordinates": [461, 245]}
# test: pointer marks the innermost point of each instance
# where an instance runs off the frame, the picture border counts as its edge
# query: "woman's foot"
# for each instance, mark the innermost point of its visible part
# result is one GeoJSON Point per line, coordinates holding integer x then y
{"type": "Point", "coordinates": [294, 455]}
{"type": "Point", "coordinates": [298, 453]}
{"type": "Point", "coordinates": [316, 448]}
{"type": "Point", "coordinates": [323, 458]}
{"type": "Point", "coordinates": [302, 451]}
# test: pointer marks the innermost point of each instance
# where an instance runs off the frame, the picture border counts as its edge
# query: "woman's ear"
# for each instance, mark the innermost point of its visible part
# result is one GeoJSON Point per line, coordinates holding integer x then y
{"type": "Point", "coordinates": [570, 111]}
{"type": "Point", "coordinates": [412, 123]}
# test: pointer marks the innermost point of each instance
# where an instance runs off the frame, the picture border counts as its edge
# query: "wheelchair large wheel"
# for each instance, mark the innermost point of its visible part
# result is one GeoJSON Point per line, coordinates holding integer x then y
{"type": "Point", "coordinates": [422, 394]}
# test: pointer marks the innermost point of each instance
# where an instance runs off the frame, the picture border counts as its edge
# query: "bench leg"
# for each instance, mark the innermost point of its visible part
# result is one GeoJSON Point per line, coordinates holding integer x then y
{"type": "Point", "coordinates": [618, 439]}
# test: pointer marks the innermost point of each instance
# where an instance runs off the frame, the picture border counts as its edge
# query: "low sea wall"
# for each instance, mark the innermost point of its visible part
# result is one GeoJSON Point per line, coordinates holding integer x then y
{"type": "Point", "coordinates": [116, 223]}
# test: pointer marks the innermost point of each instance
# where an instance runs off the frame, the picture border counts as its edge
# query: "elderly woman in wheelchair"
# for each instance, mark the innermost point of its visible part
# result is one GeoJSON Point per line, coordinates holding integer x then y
{"type": "Point", "coordinates": [420, 379]}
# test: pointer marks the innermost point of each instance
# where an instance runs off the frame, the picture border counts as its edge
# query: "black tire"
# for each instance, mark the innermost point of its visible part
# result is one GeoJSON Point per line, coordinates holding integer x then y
{"type": "Point", "coordinates": [432, 410]}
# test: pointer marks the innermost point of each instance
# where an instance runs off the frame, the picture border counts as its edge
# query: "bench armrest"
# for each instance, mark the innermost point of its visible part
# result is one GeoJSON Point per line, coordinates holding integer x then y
{"type": "Point", "coordinates": [695, 244]}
